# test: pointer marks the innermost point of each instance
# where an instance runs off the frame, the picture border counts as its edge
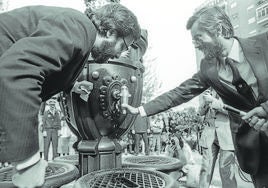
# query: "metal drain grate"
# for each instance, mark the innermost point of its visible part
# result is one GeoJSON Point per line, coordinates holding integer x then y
{"type": "Point", "coordinates": [122, 178]}
{"type": "Point", "coordinates": [57, 174]}
{"type": "Point", "coordinates": [150, 160]}
{"type": "Point", "coordinates": [6, 173]}
{"type": "Point", "coordinates": [54, 170]}
{"type": "Point", "coordinates": [161, 163]}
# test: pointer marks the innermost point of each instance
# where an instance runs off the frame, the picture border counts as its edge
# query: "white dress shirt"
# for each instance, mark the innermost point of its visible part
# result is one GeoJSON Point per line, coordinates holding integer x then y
{"type": "Point", "coordinates": [226, 74]}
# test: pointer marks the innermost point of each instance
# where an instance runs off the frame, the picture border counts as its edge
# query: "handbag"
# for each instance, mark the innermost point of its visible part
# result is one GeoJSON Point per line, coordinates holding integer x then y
{"type": "Point", "coordinates": [247, 148]}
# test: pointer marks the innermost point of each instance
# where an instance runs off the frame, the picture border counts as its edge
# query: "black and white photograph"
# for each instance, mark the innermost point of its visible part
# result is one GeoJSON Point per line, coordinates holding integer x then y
{"type": "Point", "coordinates": [133, 93]}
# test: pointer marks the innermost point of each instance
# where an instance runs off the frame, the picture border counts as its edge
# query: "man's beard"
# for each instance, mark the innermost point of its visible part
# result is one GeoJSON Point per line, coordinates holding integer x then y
{"type": "Point", "coordinates": [211, 49]}
{"type": "Point", "coordinates": [103, 53]}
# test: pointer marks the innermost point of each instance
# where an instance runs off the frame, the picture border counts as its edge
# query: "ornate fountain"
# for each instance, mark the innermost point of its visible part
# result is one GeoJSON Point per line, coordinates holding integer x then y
{"type": "Point", "coordinates": [99, 122]}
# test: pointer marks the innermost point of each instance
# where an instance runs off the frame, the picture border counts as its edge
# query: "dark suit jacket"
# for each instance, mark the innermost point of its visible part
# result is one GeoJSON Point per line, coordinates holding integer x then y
{"type": "Point", "coordinates": [51, 121]}
{"type": "Point", "coordinates": [42, 51]}
{"type": "Point", "coordinates": [141, 124]}
{"type": "Point", "coordinates": [251, 150]}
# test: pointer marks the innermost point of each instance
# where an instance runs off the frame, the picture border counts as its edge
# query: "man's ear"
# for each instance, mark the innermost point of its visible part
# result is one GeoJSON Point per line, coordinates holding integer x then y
{"type": "Point", "coordinates": [221, 31]}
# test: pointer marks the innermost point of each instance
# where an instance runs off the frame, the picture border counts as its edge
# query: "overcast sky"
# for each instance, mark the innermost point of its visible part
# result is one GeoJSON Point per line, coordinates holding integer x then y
{"type": "Point", "coordinates": [166, 25]}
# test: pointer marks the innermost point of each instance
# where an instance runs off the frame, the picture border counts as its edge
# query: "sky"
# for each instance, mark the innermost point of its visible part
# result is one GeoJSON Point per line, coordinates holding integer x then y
{"type": "Point", "coordinates": [165, 22]}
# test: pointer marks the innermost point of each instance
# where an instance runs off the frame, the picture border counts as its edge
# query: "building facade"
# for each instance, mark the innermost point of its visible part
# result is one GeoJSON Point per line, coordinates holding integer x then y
{"type": "Point", "coordinates": [249, 17]}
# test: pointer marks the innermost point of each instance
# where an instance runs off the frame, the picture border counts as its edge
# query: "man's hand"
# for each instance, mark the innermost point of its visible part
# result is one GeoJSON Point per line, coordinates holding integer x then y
{"type": "Point", "coordinates": [133, 131]}
{"type": "Point", "coordinates": [258, 112]}
{"type": "Point", "coordinates": [207, 97]}
{"type": "Point", "coordinates": [84, 87]}
{"type": "Point", "coordinates": [217, 104]}
{"type": "Point", "coordinates": [131, 109]}
{"type": "Point", "coordinates": [259, 124]}
{"type": "Point", "coordinates": [257, 118]}
{"type": "Point", "coordinates": [31, 177]}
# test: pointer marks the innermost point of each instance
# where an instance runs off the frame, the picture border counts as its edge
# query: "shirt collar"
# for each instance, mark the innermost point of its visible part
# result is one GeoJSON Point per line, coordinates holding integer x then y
{"type": "Point", "coordinates": [235, 51]}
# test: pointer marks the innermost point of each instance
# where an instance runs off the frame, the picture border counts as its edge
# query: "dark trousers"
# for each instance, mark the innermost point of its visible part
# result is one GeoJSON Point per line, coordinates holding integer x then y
{"type": "Point", "coordinates": [137, 142]}
{"type": "Point", "coordinates": [52, 136]}
{"type": "Point", "coordinates": [260, 180]}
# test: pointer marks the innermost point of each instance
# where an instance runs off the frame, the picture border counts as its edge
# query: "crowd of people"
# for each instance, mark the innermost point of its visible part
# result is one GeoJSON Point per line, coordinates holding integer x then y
{"type": "Point", "coordinates": [157, 132]}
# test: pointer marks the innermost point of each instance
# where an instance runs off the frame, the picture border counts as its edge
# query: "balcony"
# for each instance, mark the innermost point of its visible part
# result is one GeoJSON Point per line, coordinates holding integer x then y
{"type": "Point", "coordinates": [259, 3]}
{"type": "Point", "coordinates": [262, 13]}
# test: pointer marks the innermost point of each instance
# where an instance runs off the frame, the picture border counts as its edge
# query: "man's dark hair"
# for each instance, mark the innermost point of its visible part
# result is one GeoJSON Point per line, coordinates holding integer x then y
{"type": "Point", "coordinates": [210, 19]}
{"type": "Point", "coordinates": [117, 19]}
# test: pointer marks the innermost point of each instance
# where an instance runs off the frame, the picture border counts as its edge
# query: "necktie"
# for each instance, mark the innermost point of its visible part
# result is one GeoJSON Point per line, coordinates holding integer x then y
{"type": "Point", "coordinates": [240, 84]}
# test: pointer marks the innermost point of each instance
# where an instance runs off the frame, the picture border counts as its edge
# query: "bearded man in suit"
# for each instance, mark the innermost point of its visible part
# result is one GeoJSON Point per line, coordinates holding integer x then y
{"type": "Point", "coordinates": [213, 34]}
{"type": "Point", "coordinates": [42, 52]}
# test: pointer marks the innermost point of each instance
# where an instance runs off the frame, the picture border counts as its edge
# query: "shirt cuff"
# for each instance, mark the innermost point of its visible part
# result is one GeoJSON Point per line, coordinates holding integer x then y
{"type": "Point", "coordinates": [28, 162]}
{"type": "Point", "coordinates": [142, 111]}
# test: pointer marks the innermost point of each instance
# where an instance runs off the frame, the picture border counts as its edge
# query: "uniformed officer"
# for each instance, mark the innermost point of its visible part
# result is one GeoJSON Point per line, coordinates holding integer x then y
{"type": "Point", "coordinates": [51, 128]}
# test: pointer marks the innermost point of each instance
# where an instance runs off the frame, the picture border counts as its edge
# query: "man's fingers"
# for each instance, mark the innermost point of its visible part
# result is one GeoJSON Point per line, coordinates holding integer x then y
{"type": "Point", "coordinates": [259, 124]}
{"type": "Point", "coordinates": [258, 111]}
{"type": "Point", "coordinates": [253, 121]}
{"type": "Point", "coordinates": [249, 114]}
{"type": "Point", "coordinates": [264, 128]}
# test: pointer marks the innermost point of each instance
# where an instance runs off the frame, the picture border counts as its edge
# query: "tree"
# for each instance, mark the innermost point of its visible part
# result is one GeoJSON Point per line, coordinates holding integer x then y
{"type": "Point", "coordinates": [151, 83]}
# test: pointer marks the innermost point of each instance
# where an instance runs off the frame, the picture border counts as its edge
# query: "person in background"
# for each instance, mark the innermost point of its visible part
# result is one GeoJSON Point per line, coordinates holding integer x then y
{"type": "Point", "coordinates": [157, 126]}
{"type": "Point", "coordinates": [164, 139]}
{"type": "Point", "coordinates": [40, 134]}
{"type": "Point", "coordinates": [141, 128]}
{"type": "Point", "coordinates": [130, 141]}
{"type": "Point", "coordinates": [42, 52]}
{"type": "Point", "coordinates": [64, 138]}
{"type": "Point", "coordinates": [51, 128]}
{"type": "Point", "coordinates": [216, 140]}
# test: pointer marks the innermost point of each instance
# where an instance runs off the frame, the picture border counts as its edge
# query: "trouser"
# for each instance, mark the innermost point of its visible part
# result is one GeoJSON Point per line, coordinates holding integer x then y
{"type": "Point", "coordinates": [260, 180]}
{"type": "Point", "coordinates": [156, 143]}
{"type": "Point", "coordinates": [52, 136]}
{"type": "Point", "coordinates": [226, 166]}
{"type": "Point", "coordinates": [137, 142]}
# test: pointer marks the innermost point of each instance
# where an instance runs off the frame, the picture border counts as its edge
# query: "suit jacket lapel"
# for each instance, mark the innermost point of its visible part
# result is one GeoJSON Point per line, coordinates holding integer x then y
{"type": "Point", "coordinates": [254, 55]}
{"type": "Point", "coordinates": [228, 94]}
